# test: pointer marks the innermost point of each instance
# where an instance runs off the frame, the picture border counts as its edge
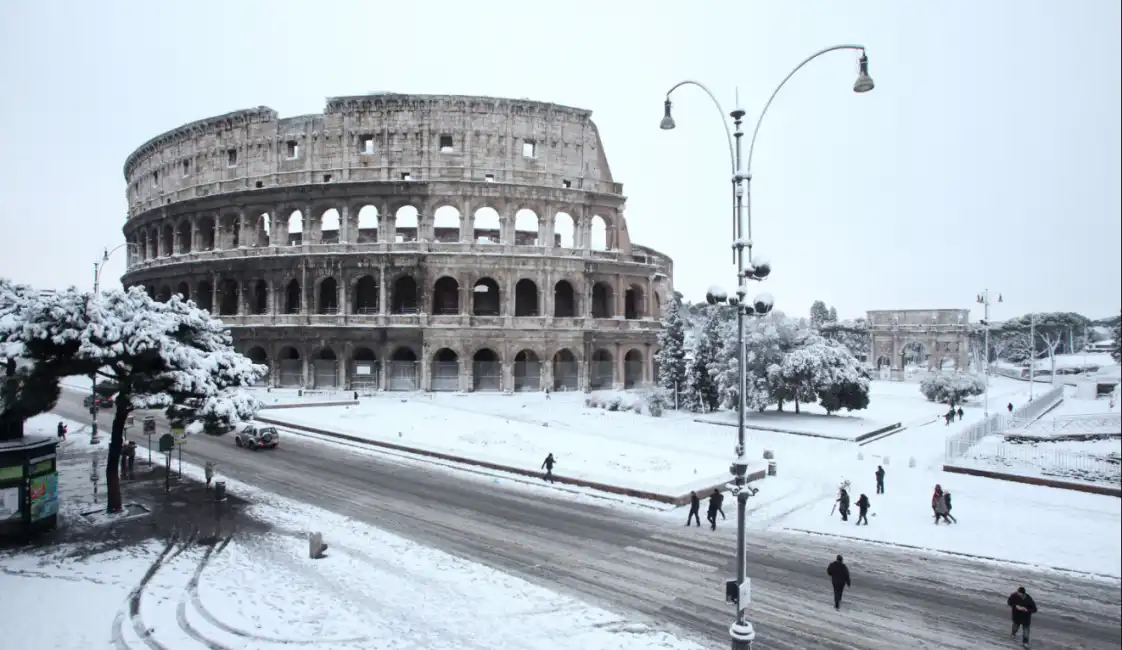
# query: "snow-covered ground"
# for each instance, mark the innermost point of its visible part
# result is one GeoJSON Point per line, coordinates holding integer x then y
{"type": "Point", "coordinates": [1078, 360]}
{"type": "Point", "coordinates": [372, 591]}
{"type": "Point", "coordinates": [890, 402]}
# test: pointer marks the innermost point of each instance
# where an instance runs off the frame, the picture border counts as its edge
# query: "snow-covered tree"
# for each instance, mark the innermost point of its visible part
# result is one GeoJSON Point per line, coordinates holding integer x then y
{"type": "Point", "coordinates": [767, 340]}
{"type": "Point", "coordinates": [843, 382]}
{"type": "Point", "coordinates": [1053, 335]}
{"type": "Point", "coordinates": [819, 314]}
{"type": "Point", "coordinates": [160, 355]}
{"type": "Point", "coordinates": [26, 389]}
{"type": "Point", "coordinates": [952, 388]}
{"type": "Point", "coordinates": [701, 382]}
{"type": "Point", "coordinates": [854, 335]}
{"type": "Point", "coordinates": [671, 355]}
{"type": "Point", "coordinates": [833, 317]}
{"type": "Point", "coordinates": [1116, 351]}
{"type": "Point", "coordinates": [820, 369]}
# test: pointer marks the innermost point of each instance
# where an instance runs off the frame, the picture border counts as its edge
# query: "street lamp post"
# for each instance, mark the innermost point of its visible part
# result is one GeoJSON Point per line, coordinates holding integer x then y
{"type": "Point", "coordinates": [99, 266]}
{"type": "Point", "coordinates": [984, 299]}
{"type": "Point", "coordinates": [742, 632]}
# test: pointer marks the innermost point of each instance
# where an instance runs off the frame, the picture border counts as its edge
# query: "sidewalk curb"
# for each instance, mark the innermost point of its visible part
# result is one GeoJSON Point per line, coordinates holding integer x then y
{"type": "Point", "coordinates": [566, 480]}
{"type": "Point", "coordinates": [972, 556]}
{"type": "Point", "coordinates": [1035, 480]}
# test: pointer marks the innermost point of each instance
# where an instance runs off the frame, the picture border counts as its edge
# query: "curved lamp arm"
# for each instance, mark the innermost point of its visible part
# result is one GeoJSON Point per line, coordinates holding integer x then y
{"type": "Point", "coordinates": [760, 119]}
{"type": "Point", "coordinates": [721, 111]}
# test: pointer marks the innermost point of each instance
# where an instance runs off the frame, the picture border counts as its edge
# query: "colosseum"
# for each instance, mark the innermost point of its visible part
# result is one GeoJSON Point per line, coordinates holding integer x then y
{"type": "Point", "coordinates": [403, 242]}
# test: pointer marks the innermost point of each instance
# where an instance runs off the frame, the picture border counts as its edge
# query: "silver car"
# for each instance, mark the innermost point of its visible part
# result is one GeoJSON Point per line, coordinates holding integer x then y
{"type": "Point", "coordinates": [257, 437]}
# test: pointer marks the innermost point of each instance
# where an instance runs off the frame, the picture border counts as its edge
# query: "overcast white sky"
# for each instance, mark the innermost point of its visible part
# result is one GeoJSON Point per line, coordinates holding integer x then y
{"type": "Point", "coordinates": [988, 155]}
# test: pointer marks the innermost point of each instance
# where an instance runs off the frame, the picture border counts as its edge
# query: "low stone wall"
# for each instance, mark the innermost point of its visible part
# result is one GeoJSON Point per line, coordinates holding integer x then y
{"type": "Point", "coordinates": [808, 434]}
{"type": "Point", "coordinates": [1036, 480]}
{"type": "Point", "coordinates": [304, 405]}
{"type": "Point", "coordinates": [559, 478]}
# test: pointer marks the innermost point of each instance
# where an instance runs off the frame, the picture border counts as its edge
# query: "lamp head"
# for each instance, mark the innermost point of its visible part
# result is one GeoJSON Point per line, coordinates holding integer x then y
{"type": "Point", "coordinates": [667, 120]}
{"type": "Point", "coordinates": [864, 82]}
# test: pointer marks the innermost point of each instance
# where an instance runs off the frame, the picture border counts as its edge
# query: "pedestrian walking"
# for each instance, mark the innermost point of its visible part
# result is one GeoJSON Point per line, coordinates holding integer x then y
{"type": "Point", "coordinates": [843, 504]}
{"type": "Point", "coordinates": [61, 429]}
{"type": "Point", "coordinates": [124, 470]}
{"type": "Point", "coordinates": [939, 504]}
{"type": "Point", "coordinates": [695, 507]}
{"type": "Point", "coordinates": [880, 479]}
{"type": "Point", "coordinates": [947, 502]}
{"type": "Point", "coordinates": [862, 510]}
{"type": "Point", "coordinates": [839, 577]}
{"type": "Point", "coordinates": [547, 392]}
{"type": "Point", "coordinates": [1009, 406]}
{"type": "Point", "coordinates": [131, 455]}
{"type": "Point", "coordinates": [715, 500]}
{"type": "Point", "coordinates": [948, 417]}
{"type": "Point", "coordinates": [208, 471]}
{"type": "Point", "coordinates": [548, 464]}
{"type": "Point", "coordinates": [1023, 607]}
{"type": "Point", "coordinates": [960, 414]}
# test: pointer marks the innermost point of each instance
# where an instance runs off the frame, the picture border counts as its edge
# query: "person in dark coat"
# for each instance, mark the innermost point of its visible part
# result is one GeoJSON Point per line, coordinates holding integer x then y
{"type": "Point", "coordinates": [948, 516]}
{"type": "Point", "coordinates": [960, 414]}
{"type": "Point", "coordinates": [843, 504]}
{"type": "Point", "coordinates": [880, 479]}
{"type": "Point", "coordinates": [862, 510]}
{"type": "Point", "coordinates": [715, 500]}
{"type": "Point", "coordinates": [695, 506]}
{"type": "Point", "coordinates": [839, 577]}
{"type": "Point", "coordinates": [548, 465]}
{"type": "Point", "coordinates": [1023, 607]}
{"type": "Point", "coordinates": [1009, 406]}
{"type": "Point", "coordinates": [61, 431]}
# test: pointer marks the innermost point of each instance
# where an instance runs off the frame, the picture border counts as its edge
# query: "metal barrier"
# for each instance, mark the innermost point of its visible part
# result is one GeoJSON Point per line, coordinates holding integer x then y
{"type": "Point", "coordinates": [959, 444]}
{"type": "Point", "coordinates": [1051, 461]}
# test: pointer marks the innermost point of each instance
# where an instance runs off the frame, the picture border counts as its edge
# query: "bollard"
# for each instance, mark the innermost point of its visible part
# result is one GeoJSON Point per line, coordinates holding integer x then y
{"type": "Point", "coordinates": [912, 462]}
{"type": "Point", "coordinates": [220, 490]}
{"type": "Point", "coordinates": [768, 454]}
{"type": "Point", "coordinates": [885, 461]}
{"type": "Point", "coordinates": [860, 456]}
{"type": "Point", "coordinates": [771, 468]}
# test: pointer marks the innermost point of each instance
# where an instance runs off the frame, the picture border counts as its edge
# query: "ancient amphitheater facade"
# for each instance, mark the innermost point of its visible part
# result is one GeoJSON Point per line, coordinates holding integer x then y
{"type": "Point", "coordinates": [403, 242]}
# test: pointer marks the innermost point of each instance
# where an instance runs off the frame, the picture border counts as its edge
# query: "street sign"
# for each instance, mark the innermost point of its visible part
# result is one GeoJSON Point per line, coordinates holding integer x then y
{"type": "Point", "coordinates": [149, 424]}
{"type": "Point", "coordinates": [167, 443]}
{"type": "Point", "coordinates": [129, 421]}
{"type": "Point", "coordinates": [179, 433]}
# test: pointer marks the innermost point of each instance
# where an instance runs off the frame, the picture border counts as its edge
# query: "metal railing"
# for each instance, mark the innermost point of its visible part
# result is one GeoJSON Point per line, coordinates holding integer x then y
{"type": "Point", "coordinates": [1076, 424]}
{"type": "Point", "coordinates": [445, 375]}
{"type": "Point", "coordinates": [1051, 461]}
{"type": "Point", "coordinates": [958, 445]}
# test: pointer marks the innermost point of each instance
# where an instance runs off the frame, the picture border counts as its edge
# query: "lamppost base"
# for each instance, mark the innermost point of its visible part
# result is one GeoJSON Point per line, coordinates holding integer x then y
{"type": "Point", "coordinates": [742, 635]}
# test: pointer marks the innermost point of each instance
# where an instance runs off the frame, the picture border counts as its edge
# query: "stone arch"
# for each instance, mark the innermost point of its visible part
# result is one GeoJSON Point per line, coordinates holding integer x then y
{"type": "Point", "coordinates": [290, 368]}
{"type": "Point", "coordinates": [526, 227]}
{"type": "Point", "coordinates": [325, 368]}
{"type": "Point", "coordinates": [565, 304]}
{"type": "Point", "coordinates": [327, 296]}
{"type": "Point", "coordinates": [231, 225]}
{"type": "Point", "coordinates": [257, 355]}
{"type": "Point", "coordinates": [152, 243]}
{"type": "Point", "coordinates": [140, 239]}
{"type": "Point", "coordinates": [601, 371]}
{"type": "Point", "coordinates": [657, 300]}
{"type": "Point", "coordinates": [486, 370]}
{"type": "Point", "coordinates": [445, 370]}
{"type": "Point", "coordinates": [184, 290]}
{"type": "Point", "coordinates": [150, 290]}
{"type": "Point", "coordinates": [259, 303]}
{"type": "Point", "coordinates": [486, 298]}
{"type": "Point", "coordinates": [633, 307]}
{"type": "Point", "coordinates": [915, 352]}
{"type": "Point", "coordinates": [264, 228]}
{"type": "Point", "coordinates": [486, 226]}
{"type": "Point", "coordinates": [566, 370]}
{"type": "Point", "coordinates": [204, 226]}
{"type": "Point", "coordinates": [598, 239]}
{"type": "Point", "coordinates": [406, 295]}
{"type": "Point", "coordinates": [293, 297]}
{"type": "Point", "coordinates": [402, 372]}
{"type": "Point", "coordinates": [183, 236]}
{"type": "Point", "coordinates": [633, 367]}
{"type": "Point", "coordinates": [407, 224]}
{"type": "Point", "coordinates": [164, 294]}
{"type": "Point", "coordinates": [295, 228]}
{"type": "Point", "coordinates": [366, 296]}
{"type": "Point", "coordinates": [364, 369]}
{"type": "Point", "coordinates": [446, 296]}
{"type": "Point", "coordinates": [368, 219]}
{"type": "Point", "coordinates": [602, 300]}
{"type": "Point", "coordinates": [564, 230]}
{"type": "Point", "coordinates": [204, 297]}
{"type": "Point", "coordinates": [446, 224]}
{"type": "Point", "coordinates": [883, 362]}
{"type": "Point", "coordinates": [527, 371]}
{"type": "Point", "coordinates": [229, 294]}
{"type": "Point", "coordinates": [329, 227]}
{"type": "Point", "coordinates": [526, 299]}
{"type": "Point", "coordinates": [167, 241]}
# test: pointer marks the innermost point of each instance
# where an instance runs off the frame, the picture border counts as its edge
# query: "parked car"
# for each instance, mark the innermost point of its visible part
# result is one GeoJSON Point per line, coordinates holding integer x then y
{"type": "Point", "coordinates": [102, 402]}
{"type": "Point", "coordinates": [257, 437]}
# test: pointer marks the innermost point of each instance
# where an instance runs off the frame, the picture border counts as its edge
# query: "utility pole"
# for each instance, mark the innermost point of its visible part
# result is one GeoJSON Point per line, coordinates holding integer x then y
{"type": "Point", "coordinates": [984, 299]}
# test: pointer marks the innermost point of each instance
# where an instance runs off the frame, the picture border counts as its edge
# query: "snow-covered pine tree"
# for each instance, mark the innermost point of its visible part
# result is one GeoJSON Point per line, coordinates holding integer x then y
{"type": "Point", "coordinates": [161, 355]}
{"type": "Point", "coordinates": [833, 317]}
{"type": "Point", "coordinates": [766, 340]}
{"type": "Point", "coordinates": [701, 385]}
{"type": "Point", "coordinates": [671, 355]}
{"type": "Point", "coordinates": [819, 314]}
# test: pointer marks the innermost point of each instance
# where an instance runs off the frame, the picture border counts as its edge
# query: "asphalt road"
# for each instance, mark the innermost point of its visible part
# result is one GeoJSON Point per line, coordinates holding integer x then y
{"type": "Point", "coordinates": [666, 574]}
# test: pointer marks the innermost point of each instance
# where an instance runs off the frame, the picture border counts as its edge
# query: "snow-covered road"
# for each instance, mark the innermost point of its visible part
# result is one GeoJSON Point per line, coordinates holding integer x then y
{"type": "Point", "coordinates": [624, 559]}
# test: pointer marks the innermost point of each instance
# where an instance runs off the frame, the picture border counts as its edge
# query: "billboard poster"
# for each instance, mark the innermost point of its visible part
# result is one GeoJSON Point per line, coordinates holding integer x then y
{"type": "Point", "coordinates": [9, 503]}
{"type": "Point", "coordinates": [44, 496]}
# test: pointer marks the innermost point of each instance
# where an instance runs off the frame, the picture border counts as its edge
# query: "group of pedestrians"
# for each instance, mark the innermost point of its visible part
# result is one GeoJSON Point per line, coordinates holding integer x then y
{"type": "Point", "coordinates": [716, 506]}
{"type": "Point", "coordinates": [941, 506]}
{"type": "Point", "coordinates": [949, 416]}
